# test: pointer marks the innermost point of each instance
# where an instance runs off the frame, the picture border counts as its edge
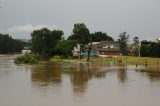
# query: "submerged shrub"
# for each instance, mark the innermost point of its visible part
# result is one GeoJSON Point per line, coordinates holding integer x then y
{"type": "Point", "coordinates": [28, 58]}
{"type": "Point", "coordinates": [56, 58]}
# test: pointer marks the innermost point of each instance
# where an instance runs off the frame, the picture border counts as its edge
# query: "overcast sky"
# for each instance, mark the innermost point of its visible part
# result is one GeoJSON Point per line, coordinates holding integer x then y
{"type": "Point", "coordinates": [137, 17]}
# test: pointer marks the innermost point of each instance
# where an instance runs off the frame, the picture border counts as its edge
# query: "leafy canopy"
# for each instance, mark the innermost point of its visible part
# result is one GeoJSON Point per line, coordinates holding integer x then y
{"type": "Point", "coordinates": [123, 41]}
{"type": "Point", "coordinates": [44, 41]}
{"type": "Point", "coordinates": [80, 33]}
{"type": "Point", "coordinates": [65, 47]}
{"type": "Point", "coordinates": [100, 36]}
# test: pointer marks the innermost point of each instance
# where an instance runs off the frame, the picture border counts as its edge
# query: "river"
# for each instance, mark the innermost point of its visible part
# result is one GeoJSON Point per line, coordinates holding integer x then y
{"type": "Point", "coordinates": [68, 84]}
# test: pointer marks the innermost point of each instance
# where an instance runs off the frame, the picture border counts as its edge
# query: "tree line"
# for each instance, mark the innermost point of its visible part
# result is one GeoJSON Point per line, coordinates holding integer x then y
{"type": "Point", "coordinates": [9, 45]}
{"type": "Point", "coordinates": [48, 43]}
{"type": "Point", "coordinates": [150, 49]}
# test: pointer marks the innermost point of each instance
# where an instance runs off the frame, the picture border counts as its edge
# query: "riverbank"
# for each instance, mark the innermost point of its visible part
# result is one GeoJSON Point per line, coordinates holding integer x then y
{"type": "Point", "coordinates": [146, 64]}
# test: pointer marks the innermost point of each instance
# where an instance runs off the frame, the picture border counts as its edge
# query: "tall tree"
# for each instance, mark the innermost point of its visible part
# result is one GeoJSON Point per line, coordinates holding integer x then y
{"type": "Point", "coordinates": [80, 33]}
{"type": "Point", "coordinates": [44, 41]}
{"type": "Point", "coordinates": [136, 41]}
{"type": "Point", "coordinates": [123, 41]}
{"type": "Point", "coordinates": [136, 46]}
{"type": "Point", "coordinates": [100, 36]}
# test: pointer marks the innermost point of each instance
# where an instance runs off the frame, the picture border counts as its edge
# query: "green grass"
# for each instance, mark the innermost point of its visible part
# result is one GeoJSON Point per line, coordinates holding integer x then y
{"type": "Point", "coordinates": [139, 60]}
{"type": "Point", "coordinates": [152, 63]}
{"type": "Point", "coordinates": [56, 59]}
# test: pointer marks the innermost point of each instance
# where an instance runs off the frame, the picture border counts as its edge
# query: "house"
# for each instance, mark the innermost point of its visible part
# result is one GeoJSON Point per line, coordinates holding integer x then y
{"type": "Point", "coordinates": [76, 51]}
{"type": "Point", "coordinates": [108, 48]}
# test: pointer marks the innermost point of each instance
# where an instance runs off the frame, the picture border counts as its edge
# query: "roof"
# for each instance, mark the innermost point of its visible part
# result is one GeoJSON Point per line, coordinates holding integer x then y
{"type": "Point", "coordinates": [108, 46]}
{"type": "Point", "coordinates": [104, 43]}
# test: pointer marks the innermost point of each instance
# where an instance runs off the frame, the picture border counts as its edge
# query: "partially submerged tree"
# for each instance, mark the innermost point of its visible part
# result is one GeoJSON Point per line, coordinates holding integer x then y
{"type": "Point", "coordinates": [89, 47]}
{"type": "Point", "coordinates": [44, 41]}
{"type": "Point", "coordinates": [123, 41]}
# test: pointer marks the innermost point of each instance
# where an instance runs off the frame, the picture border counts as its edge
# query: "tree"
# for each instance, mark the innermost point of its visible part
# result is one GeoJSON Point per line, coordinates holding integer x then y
{"type": "Point", "coordinates": [123, 41]}
{"type": "Point", "coordinates": [100, 36]}
{"type": "Point", "coordinates": [44, 41]}
{"type": "Point", "coordinates": [150, 49]}
{"type": "Point", "coordinates": [89, 47]}
{"type": "Point", "coordinates": [136, 46]}
{"type": "Point", "coordinates": [65, 47]}
{"type": "Point", "coordinates": [136, 41]}
{"type": "Point", "coordinates": [81, 34]}
{"type": "Point", "coordinates": [9, 45]}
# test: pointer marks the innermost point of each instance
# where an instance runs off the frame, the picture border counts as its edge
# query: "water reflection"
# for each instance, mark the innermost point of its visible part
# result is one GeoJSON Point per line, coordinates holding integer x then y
{"type": "Point", "coordinates": [154, 76]}
{"type": "Point", "coordinates": [122, 75]}
{"type": "Point", "coordinates": [76, 84]}
{"type": "Point", "coordinates": [44, 75]}
{"type": "Point", "coordinates": [153, 73]}
{"type": "Point", "coordinates": [81, 73]}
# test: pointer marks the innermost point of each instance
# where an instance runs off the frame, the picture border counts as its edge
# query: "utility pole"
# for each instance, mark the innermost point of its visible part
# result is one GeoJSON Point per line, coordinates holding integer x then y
{"type": "Point", "coordinates": [140, 49]}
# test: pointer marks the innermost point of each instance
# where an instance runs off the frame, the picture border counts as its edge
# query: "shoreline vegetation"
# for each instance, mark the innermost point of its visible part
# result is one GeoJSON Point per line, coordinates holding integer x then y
{"type": "Point", "coordinates": [148, 64]}
{"type": "Point", "coordinates": [48, 45]}
{"type": "Point", "coordinates": [28, 58]}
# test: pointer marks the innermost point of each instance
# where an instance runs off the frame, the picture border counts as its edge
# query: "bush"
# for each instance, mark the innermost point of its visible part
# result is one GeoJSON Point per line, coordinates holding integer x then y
{"type": "Point", "coordinates": [55, 58]}
{"type": "Point", "coordinates": [151, 49]}
{"type": "Point", "coordinates": [65, 48]}
{"type": "Point", "coordinates": [28, 58]}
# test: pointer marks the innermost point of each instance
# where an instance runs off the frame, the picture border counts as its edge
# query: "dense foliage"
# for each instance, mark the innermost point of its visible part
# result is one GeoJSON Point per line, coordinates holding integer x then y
{"type": "Point", "coordinates": [136, 46]}
{"type": "Point", "coordinates": [9, 45]}
{"type": "Point", "coordinates": [123, 41]}
{"type": "Point", "coordinates": [28, 58]}
{"type": "Point", "coordinates": [65, 47]}
{"type": "Point", "coordinates": [44, 41]}
{"type": "Point", "coordinates": [81, 34]}
{"type": "Point", "coordinates": [100, 36]}
{"type": "Point", "coordinates": [150, 49]}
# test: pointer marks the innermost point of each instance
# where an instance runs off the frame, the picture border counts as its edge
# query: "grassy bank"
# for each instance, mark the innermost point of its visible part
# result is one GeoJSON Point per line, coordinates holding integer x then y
{"type": "Point", "coordinates": [147, 63]}
{"type": "Point", "coordinates": [144, 63]}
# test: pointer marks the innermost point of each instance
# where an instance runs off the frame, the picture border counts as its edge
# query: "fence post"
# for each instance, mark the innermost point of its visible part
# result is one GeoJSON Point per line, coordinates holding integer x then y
{"type": "Point", "coordinates": [126, 60]}
{"type": "Point", "coordinates": [136, 65]}
{"type": "Point", "coordinates": [146, 64]}
{"type": "Point", "coordinates": [157, 65]}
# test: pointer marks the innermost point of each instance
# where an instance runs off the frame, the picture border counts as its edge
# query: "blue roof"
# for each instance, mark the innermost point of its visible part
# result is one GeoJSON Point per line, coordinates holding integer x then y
{"type": "Point", "coordinates": [86, 54]}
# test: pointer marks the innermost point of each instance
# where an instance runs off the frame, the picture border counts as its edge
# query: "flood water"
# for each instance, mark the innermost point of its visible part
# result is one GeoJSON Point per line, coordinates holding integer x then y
{"type": "Point", "coordinates": [68, 84]}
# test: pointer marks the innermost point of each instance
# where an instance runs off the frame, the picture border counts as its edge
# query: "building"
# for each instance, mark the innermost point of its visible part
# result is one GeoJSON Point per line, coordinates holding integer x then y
{"type": "Point", "coordinates": [108, 48]}
{"type": "Point", "coordinates": [76, 51]}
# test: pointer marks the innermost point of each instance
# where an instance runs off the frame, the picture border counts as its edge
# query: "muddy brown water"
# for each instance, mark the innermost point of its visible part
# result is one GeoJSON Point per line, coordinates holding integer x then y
{"type": "Point", "coordinates": [68, 84]}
